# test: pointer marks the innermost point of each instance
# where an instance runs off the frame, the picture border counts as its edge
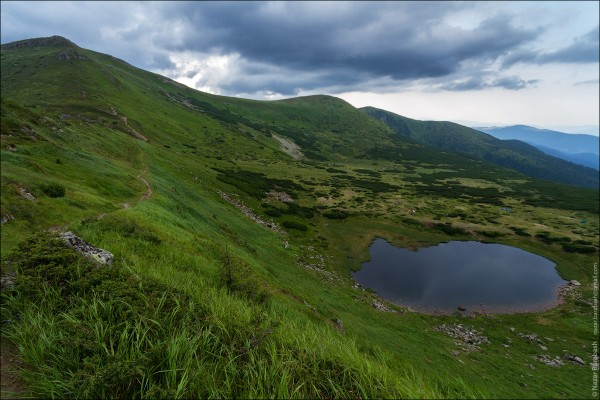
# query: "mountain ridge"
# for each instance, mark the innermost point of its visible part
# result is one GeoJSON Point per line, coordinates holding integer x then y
{"type": "Point", "coordinates": [513, 154]}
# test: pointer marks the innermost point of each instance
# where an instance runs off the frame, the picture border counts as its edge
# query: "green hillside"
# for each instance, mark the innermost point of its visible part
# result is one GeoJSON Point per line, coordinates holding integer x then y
{"type": "Point", "coordinates": [235, 225]}
{"type": "Point", "coordinates": [512, 154]}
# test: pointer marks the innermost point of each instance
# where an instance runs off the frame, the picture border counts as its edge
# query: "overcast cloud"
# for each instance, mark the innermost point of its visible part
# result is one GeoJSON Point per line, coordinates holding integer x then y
{"type": "Point", "coordinates": [269, 50]}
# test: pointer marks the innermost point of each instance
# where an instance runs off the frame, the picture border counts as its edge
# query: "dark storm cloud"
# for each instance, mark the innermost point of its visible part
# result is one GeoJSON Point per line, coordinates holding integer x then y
{"type": "Point", "coordinates": [399, 40]}
{"type": "Point", "coordinates": [286, 47]}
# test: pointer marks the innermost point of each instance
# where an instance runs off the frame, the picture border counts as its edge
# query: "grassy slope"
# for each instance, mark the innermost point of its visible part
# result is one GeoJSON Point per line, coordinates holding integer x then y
{"type": "Point", "coordinates": [182, 234]}
{"type": "Point", "coordinates": [508, 153]}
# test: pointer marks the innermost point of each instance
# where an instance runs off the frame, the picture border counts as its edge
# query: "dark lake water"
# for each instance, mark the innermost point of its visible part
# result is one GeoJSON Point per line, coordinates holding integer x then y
{"type": "Point", "coordinates": [478, 276]}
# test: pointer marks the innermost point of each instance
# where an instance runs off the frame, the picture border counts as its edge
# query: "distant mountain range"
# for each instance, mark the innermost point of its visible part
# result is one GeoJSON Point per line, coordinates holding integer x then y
{"type": "Point", "coordinates": [577, 148]}
{"type": "Point", "coordinates": [472, 143]}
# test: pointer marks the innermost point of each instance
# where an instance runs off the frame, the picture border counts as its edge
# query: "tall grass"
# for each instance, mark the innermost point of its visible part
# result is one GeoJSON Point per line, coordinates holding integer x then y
{"type": "Point", "coordinates": [88, 331]}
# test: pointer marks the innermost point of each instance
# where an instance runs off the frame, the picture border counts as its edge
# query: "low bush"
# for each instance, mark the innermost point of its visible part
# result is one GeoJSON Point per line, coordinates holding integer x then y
{"type": "Point", "coordinates": [53, 190]}
{"type": "Point", "coordinates": [294, 225]}
{"type": "Point", "coordinates": [336, 214]}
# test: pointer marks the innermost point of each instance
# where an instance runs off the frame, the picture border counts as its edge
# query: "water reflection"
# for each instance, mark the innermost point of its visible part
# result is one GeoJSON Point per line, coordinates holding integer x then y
{"type": "Point", "coordinates": [477, 276]}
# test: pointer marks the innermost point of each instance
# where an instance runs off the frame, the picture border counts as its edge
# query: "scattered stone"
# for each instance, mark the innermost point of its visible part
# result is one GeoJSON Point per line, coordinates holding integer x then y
{"type": "Point", "coordinates": [549, 339]}
{"type": "Point", "coordinates": [467, 338]}
{"type": "Point", "coordinates": [379, 306]}
{"type": "Point", "coordinates": [281, 196]}
{"type": "Point", "coordinates": [574, 359]}
{"type": "Point", "coordinates": [250, 214]}
{"type": "Point", "coordinates": [454, 353]}
{"type": "Point", "coordinates": [71, 55]}
{"type": "Point", "coordinates": [543, 348]}
{"type": "Point", "coordinates": [339, 324]}
{"type": "Point", "coordinates": [100, 256]}
{"type": "Point", "coordinates": [26, 194]}
{"type": "Point", "coordinates": [511, 329]}
{"type": "Point", "coordinates": [6, 217]}
{"type": "Point", "coordinates": [506, 345]}
{"type": "Point", "coordinates": [530, 366]}
{"type": "Point", "coordinates": [546, 359]}
{"type": "Point", "coordinates": [11, 147]}
{"type": "Point", "coordinates": [532, 338]}
{"type": "Point", "coordinates": [575, 283]}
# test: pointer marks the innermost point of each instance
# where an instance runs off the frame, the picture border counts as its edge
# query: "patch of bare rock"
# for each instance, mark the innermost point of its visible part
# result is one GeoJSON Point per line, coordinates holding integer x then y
{"type": "Point", "coordinates": [466, 338]}
{"type": "Point", "coordinates": [96, 254]}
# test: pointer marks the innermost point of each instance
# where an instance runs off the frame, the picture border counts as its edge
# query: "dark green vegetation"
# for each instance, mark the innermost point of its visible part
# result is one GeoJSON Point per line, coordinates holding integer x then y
{"type": "Point", "coordinates": [513, 154]}
{"type": "Point", "coordinates": [204, 301]}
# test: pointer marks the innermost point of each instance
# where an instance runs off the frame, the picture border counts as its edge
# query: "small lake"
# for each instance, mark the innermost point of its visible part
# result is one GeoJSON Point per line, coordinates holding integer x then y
{"type": "Point", "coordinates": [478, 276]}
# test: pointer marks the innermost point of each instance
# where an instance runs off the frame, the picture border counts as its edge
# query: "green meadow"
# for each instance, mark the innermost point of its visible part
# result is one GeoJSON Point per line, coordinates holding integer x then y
{"type": "Point", "coordinates": [203, 301]}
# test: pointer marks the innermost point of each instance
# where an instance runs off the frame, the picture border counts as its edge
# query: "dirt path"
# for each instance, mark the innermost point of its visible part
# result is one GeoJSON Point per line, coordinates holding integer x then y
{"type": "Point", "coordinates": [149, 191]}
{"type": "Point", "coordinates": [133, 131]}
{"type": "Point", "coordinates": [11, 385]}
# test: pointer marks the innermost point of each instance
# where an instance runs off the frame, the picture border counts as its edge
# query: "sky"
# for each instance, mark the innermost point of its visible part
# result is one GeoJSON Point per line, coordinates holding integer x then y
{"type": "Point", "coordinates": [475, 63]}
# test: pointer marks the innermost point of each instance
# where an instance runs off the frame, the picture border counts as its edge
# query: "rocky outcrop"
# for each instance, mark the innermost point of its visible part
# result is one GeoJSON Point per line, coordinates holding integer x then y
{"type": "Point", "coordinates": [96, 254]}
{"type": "Point", "coordinates": [250, 214]}
{"type": "Point", "coordinates": [26, 194]}
{"type": "Point", "coordinates": [71, 55]}
{"type": "Point", "coordinates": [549, 361]}
{"type": "Point", "coordinates": [52, 41]}
{"type": "Point", "coordinates": [466, 338]}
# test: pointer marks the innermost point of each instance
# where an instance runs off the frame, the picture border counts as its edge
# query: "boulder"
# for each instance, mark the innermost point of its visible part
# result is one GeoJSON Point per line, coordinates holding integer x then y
{"type": "Point", "coordinates": [96, 254]}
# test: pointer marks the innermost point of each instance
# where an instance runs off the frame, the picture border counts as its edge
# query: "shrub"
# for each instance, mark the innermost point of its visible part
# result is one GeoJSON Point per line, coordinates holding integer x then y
{"type": "Point", "coordinates": [578, 248]}
{"type": "Point", "coordinates": [336, 214]}
{"type": "Point", "coordinates": [294, 225]}
{"type": "Point", "coordinates": [53, 190]}
{"type": "Point", "coordinates": [519, 231]}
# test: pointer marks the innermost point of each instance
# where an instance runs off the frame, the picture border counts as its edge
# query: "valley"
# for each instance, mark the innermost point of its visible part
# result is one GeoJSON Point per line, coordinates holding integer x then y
{"type": "Point", "coordinates": [235, 227]}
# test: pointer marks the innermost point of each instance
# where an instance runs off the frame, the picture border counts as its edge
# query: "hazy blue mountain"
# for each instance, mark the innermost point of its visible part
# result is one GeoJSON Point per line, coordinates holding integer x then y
{"type": "Point", "coordinates": [514, 154]}
{"type": "Point", "coordinates": [563, 142]}
{"type": "Point", "coordinates": [586, 159]}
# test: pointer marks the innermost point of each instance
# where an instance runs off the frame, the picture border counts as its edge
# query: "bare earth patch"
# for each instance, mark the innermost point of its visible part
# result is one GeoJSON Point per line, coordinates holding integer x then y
{"type": "Point", "coordinates": [289, 147]}
{"type": "Point", "coordinates": [11, 385]}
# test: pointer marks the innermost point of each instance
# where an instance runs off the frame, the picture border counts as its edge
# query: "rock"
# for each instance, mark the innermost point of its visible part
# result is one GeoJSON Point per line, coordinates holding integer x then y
{"type": "Point", "coordinates": [461, 308]}
{"type": "Point", "coordinates": [530, 338]}
{"type": "Point", "coordinates": [7, 281]}
{"type": "Point", "coordinates": [96, 254]}
{"type": "Point", "coordinates": [339, 324]}
{"type": "Point", "coordinates": [71, 55]}
{"type": "Point", "coordinates": [466, 338]}
{"type": "Point", "coordinates": [379, 306]}
{"type": "Point", "coordinates": [11, 147]}
{"type": "Point", "coordinates": [25, 194]}
{"type": "Point", "coordinates": [511, 329]}
{"type": "Point", "coordinates": [506, 345]}
{"type": "Point", "coordinates": [575, 283]}
{"type": "Point", "coordinates": [6, 217]}
{"type": "Point", "coordinates": [574, 359]}
{"type": "Point", "coordinates": [543, 347]}
{"type": "Point", "coordinates": [552, 362]}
